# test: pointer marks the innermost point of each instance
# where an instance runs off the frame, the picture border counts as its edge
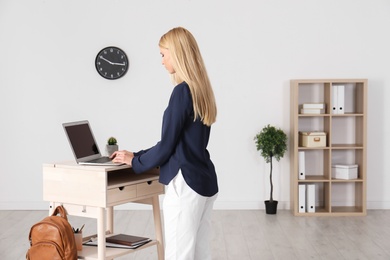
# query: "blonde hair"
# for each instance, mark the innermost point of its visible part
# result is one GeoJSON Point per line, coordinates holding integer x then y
{"type": "Point", "coordinates": [189, 67]}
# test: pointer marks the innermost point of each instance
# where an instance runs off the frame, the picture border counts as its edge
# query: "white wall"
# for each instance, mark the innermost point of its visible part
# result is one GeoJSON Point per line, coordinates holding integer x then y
{"type": "Point", "coordinates": [251, 49]}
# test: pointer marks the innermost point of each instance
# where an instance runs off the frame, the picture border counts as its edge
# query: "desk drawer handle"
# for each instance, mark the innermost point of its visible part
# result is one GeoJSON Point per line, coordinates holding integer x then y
{"type": "Point", "coordinates": [121, 188]}
{"type": "Point", "coordinates": [149, 182]}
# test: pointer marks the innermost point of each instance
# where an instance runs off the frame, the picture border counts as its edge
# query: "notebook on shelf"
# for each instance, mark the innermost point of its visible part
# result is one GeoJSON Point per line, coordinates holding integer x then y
{"type": "Point", "coordinates": [121, 241]}
{"type": "Point", "coordinates": [129, 240]}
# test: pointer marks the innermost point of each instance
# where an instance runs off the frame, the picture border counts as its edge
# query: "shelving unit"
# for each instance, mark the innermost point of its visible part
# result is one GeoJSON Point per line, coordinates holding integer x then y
{"type": "Point", "coordinates": [346, 143]}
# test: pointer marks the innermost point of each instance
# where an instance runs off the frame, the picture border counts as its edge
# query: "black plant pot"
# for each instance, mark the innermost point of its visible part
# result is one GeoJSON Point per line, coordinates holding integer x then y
{"type": "Point", "coordinates": [271, 207]}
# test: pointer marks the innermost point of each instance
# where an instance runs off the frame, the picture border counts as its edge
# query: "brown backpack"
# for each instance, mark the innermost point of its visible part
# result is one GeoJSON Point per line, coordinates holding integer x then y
{"type": "Point", "coordinates": [52, 238]}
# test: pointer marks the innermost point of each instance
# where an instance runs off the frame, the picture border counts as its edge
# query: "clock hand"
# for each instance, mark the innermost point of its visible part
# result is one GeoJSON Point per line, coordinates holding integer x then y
{"type": "Point", "coordinates": [101, 57]}
{"type": "Point", "coordinates": [121, 64]}
{"type": "Point", "coordinates": [112, 63]}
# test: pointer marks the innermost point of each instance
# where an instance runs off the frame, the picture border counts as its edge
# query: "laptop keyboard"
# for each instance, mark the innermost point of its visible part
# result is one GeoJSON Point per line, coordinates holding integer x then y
{"type": "Point", "coordinates": [101, 160]}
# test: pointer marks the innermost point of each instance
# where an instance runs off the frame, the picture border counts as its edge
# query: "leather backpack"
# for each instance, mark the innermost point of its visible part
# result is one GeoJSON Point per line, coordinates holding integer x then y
{"type": "Point", "coordinates": [52, 238]}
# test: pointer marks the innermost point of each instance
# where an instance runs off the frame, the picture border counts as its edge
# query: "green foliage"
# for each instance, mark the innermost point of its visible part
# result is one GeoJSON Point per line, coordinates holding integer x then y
{"type": "Point", "coordinates": [112, 141]}
{"type": "Point", "coordinates": [271, 142]}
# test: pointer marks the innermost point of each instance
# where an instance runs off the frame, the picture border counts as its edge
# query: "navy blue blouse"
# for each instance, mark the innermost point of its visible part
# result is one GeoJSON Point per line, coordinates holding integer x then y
{"type": "Point", "coordinates": [183, 145]}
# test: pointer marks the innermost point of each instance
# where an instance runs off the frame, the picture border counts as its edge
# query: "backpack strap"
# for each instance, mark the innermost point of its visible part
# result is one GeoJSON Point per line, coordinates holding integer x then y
{"type": "Point", "coordinates": [60, 210]}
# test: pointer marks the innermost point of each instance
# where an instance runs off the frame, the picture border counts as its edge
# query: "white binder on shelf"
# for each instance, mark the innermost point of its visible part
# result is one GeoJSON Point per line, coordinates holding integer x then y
{"type": "Point", "coordinates": [334, 99]}
{"type": "Point", "coordinates": [301, 198]}
{"type": "Point", "coordinates": [340, 99]}
{"type": "Point", "coordinates": [311, 198]}
{"type": "Point", "coordinates": [301, 165]}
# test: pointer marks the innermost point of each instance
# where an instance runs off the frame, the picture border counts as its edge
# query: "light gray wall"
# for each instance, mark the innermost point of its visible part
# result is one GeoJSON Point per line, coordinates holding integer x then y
{"type": "Point", "coordinates": [251, 49]}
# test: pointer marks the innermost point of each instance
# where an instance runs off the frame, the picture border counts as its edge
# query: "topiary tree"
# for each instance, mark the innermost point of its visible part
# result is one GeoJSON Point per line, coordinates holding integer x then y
{"type": "Point", "coordinates": [272, 143]}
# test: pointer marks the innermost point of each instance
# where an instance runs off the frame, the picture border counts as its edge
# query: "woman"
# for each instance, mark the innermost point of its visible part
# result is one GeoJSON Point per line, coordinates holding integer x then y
{"type": "Point", "coordinates": [185, 165]}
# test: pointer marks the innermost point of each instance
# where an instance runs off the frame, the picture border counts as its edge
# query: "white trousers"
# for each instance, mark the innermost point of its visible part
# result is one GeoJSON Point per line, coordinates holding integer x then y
{"type": "Point", "coordinates": [187, 222]}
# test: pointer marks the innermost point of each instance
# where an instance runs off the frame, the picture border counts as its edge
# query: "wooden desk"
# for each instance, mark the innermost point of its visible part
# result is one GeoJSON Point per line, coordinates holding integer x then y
{"type": "Point", "coordinates": [93, 191]}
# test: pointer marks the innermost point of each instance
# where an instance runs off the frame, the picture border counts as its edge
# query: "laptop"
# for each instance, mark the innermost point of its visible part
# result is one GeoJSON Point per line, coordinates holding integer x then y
{"type": "Point", "coordinates": [83, 144]}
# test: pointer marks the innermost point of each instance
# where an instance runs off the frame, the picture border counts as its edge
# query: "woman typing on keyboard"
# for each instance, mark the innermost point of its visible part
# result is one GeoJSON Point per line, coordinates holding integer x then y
{"type": "Point", "coordinates": [185, 164]}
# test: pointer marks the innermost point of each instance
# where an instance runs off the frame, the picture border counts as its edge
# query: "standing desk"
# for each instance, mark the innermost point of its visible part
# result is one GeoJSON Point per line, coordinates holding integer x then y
{"type": "Point", "coordinates": [93, 191]}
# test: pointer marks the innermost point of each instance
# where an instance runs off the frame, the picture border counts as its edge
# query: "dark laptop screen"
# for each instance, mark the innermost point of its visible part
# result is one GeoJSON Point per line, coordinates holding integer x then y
{"type": "Point", "coordinates": [81, 138]}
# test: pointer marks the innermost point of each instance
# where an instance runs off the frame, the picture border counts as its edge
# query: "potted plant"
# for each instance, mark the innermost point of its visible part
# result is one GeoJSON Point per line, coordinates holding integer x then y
{"type": "Point", "coordinates": [272, 143]}
{"type": "Point", "coordinates": [111, 146]}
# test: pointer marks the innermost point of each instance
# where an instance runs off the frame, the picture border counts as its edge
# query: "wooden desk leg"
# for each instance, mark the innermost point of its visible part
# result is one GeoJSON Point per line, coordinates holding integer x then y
{"type": "Point", "coordinates": [110, 219]}
{"type": "Point", "coordinates": [101, 232]}
{"type": "Point", "coordinates": [158, 227]}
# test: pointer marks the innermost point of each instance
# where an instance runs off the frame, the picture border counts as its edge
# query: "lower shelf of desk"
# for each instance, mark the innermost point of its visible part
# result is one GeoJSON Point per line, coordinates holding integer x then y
{"type": "Point", "coordinates": [91, 252]}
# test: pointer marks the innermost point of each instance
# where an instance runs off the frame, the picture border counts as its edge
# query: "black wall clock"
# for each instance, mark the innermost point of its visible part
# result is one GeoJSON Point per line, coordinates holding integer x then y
{"type": "Point", "coordinates": [111, 63]}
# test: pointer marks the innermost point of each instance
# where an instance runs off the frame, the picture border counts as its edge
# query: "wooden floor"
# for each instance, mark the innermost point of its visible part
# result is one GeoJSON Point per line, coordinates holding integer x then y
{"type": "Point", "coordinates": [237, 234]}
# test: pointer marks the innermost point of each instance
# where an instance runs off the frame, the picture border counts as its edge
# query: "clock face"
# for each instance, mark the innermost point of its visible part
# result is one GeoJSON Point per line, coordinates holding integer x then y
{"type": "Point", "coordinates": [111, 63]}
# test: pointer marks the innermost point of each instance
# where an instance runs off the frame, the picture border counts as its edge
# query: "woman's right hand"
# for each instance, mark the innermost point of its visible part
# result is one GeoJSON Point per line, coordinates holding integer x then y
{"type": "Point", "coordinates": [122, 157]}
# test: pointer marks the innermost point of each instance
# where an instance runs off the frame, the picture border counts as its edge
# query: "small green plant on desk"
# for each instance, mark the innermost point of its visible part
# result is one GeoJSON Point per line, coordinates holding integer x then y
{"type": "Point", "coordinates": [111, 146]}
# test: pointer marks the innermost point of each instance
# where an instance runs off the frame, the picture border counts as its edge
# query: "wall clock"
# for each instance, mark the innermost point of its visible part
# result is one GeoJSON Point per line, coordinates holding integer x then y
{"type": "Point", "coordinates": [111, 63]}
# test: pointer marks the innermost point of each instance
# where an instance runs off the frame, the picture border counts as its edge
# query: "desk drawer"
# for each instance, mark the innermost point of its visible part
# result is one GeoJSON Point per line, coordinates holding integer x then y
{"type": "Point", "coordinates": [149, 187]}
{"type": "Point", "coordinates": [121, 193]}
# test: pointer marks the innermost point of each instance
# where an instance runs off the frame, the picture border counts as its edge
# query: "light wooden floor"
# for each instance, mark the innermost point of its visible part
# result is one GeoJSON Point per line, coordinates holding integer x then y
{"type": "Point", "coordinates": [237, 235]}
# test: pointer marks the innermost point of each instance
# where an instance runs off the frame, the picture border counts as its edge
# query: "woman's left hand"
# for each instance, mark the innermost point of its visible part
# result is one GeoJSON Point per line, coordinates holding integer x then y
{"type": "Point", "coordinates": [122, 157]}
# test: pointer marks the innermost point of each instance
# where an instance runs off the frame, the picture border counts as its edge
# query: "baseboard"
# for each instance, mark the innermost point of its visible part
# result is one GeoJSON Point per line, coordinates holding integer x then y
{"type": "Point", "coordinates": [378, 204]}
{"type": "Point", "coordinates": [22, 205]}
{"type": "Point", "coordinates": [219, 205]}
{"type": "Point", "coordinates": [247, 205]}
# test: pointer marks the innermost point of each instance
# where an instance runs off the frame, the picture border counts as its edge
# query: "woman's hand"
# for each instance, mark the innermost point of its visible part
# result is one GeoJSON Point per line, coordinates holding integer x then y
{"type": "Point", "coordinates": [122, 157]}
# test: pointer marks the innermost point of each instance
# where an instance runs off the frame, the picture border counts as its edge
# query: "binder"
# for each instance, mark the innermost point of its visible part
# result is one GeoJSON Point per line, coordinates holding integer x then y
{"type": "Point", "coordinates": [301, 165]}
{"type": "Point", "coordinates": [340, 99]}
{"type": "Point", "coordinates": [301, 198]}
{"type": "Point", "coordinates": [311, 198]}
{"type": "Point", "coordinates": [334, 99]}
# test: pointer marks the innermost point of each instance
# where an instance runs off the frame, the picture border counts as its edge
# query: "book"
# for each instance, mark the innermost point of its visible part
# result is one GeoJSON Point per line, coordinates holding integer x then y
{"type": "Point", "coordinates": [310, 111]}
{"type": "Point", "coordinates": [121, 241]}
{"type": "Point", "coordinates": [128, 240]}
{"type": "Point", "coordinates": [313, 105]}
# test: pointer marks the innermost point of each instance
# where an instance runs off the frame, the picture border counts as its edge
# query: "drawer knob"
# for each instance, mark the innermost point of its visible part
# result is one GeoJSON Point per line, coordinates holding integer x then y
{"type": "Point", "coordinates": [121, 188]}
{"type": "Point", "coordinates": [149, 182]}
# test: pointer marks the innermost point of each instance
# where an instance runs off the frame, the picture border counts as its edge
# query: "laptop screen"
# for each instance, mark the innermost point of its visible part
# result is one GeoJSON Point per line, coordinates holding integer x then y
{"type": "Point", "coordinates": [81, 139]}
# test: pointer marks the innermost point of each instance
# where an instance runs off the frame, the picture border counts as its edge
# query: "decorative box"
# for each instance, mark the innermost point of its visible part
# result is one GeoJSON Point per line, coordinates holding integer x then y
{"type": "Point", "coordinates": [345, 172]}
{"type": "Point", "coordinates": [312, 139]}
{"type": "Point", "coordinates": [312, 108]}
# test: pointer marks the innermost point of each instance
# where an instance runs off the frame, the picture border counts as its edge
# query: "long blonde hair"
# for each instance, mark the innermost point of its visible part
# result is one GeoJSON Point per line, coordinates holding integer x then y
{"type": "Point", "coordinates": [189, 67]}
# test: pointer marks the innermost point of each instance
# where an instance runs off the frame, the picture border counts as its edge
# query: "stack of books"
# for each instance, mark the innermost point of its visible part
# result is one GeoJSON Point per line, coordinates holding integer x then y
{"type": "Point", "coordinates": [121, 241]}
{"type": "Point", "coordinates": [312, 108]}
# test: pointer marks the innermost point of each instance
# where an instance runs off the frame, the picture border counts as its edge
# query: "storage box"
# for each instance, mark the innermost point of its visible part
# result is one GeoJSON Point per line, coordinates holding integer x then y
{"type": "Point", "coordinates": [345, 172]}
{"type": "Point", "coordinates": [312, 139]}
{"type": "Point", "coordinates": [306, 111]}
{"type": "Point", "coordinates": [313, 105]}
{"type": "Point", "coordinates": [312, 108]}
